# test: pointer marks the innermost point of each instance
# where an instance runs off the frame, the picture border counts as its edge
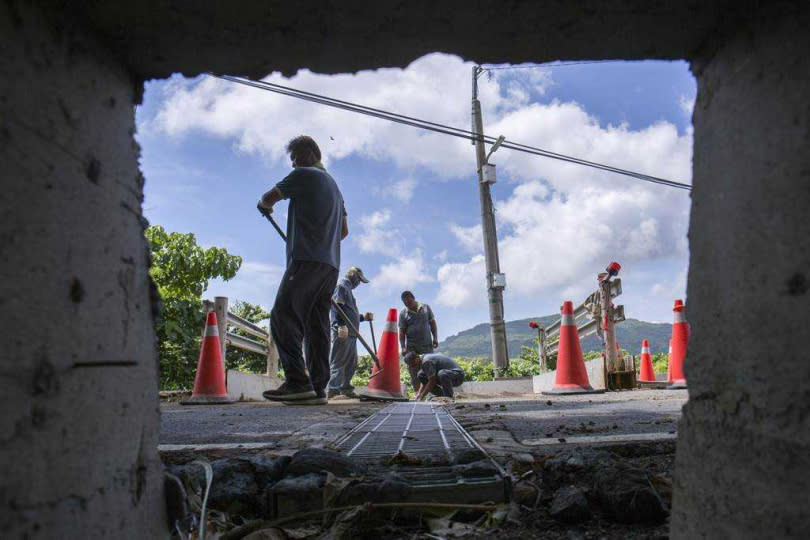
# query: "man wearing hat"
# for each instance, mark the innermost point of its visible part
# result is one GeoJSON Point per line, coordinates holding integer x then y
{"type": "Point", "coordinates": [343, 359]}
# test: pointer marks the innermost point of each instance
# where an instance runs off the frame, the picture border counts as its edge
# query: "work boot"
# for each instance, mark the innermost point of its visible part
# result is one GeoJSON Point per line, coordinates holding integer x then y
{"type": "Point", "coordinates": [290, 392]}
{"type": "Point", "coordinates": [333, 392]}
{"type": "Point", "coordinates": [349, 393]}
{"type": "Point", "coordinates": [316, 399]}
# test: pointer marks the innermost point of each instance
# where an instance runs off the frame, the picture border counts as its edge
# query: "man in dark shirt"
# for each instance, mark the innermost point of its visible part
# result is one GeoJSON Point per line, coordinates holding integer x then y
{"type": "Point", "coordinates": [418, 331]}
{"type": "Point", "coordinates": [316, 223]}
{"type": "Point", "coordinates": [343, 359]}
{"type": "Point", "coordinates": [436, 373]}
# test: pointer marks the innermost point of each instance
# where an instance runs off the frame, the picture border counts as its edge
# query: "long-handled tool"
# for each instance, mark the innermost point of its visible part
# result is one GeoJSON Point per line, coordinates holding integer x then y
{"type": "Point", "coordinates": [337, 307]}
{"type": "Point", "coordinates": [373, 339]}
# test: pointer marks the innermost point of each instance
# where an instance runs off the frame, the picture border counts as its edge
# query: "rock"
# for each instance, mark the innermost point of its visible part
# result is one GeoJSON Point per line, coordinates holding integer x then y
{"type": "Point", "coordinates": [234, 486]}
{"type": "Point", "coordinates": [267, 470]}
{"type": "Point", "coordinates": [294, 494]}
{"type": "Point", "coordinates": [477, 469]}
{"type": "Point", "coordinates": [627, 495]}
{"type": "Point", "coordinates": [525, 494]}
{"type": "Point", "coordinates": [390, 488]}
{"type": "Point", "coordinates": [569, 505]}
{"type": "Point", "coordinates": [317, 460]}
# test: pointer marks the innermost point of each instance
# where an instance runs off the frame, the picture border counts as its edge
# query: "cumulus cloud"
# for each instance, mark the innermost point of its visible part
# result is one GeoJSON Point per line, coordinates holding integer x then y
{"type": "Point", "coordinates": [377, 235]}
{"type": "Point", "coordinates": [403, 273]}
{"type": "Point", "coordinates": [558, 223]}
{"type": "Point", "coordinates": [470, 238]}
{"type": "Point", "coordinates": [687, 105]}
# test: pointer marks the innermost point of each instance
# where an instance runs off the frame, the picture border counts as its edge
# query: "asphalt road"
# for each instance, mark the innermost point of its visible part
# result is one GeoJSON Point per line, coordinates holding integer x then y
{"type": "Point", "coordinates": [528, 420]}
{"type": "Point", "coordinates": [634, 414]}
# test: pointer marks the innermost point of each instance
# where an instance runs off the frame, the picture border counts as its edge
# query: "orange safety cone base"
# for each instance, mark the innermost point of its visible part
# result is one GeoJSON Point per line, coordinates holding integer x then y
{"type": "Point", "coordinates": [380, 395]}
{"type": "Point", "coordinates": [386, 386]}
{"type": "Point", "coordinates": [207, 400]}
{"type": "Point", "coordinates": [571, 391]}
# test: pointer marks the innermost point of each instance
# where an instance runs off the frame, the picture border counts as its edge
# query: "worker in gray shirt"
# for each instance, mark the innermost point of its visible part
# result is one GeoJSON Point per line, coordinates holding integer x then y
{"type": "Point", "coordinates": [418, 331]}
{"type": "Point", "coordinates": [343, 359]}
{"type": "Point", "coordinates": [299, 320]}
{"type": "Point", "coordinates": [436, 373]}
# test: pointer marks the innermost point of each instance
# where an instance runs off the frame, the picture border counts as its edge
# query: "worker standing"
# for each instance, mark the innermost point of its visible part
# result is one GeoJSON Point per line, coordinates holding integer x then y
{"type": "Point", "coordinates": [418, 331]}
{"type": "Point", "coordinates": [436, 373]}
{"type": "Point", "coordinates": [343, 358]}
{"type": "Point", "coordinates": [316, 223]}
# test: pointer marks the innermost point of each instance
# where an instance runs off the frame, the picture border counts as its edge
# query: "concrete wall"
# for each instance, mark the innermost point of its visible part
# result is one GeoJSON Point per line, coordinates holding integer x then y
{"type": "Point", "coordinates": [249, 386]}
{"type": "Point", "coordinates": [744, 442]}
{"type": "Point", "coordinates": [77, 444]}
{"type": "Point", "coordinates": [596, 376]}
{"type": "Point", "coordinates": [78, 377]}
{"type": "Point", "coordinates": [501, 386]}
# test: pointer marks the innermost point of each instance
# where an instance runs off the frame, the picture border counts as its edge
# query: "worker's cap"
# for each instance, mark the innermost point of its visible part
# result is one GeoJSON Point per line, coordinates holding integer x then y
{"type": "Point", "coordinates": [354, 271]}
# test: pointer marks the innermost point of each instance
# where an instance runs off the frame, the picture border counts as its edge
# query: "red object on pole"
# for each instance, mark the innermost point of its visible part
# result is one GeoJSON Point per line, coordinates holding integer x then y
{"type": "Point", "coordinates": [209, 382]}
{"type": "Point", "coordinates": [533, 324]}
{"type": "Point", "coordinates": [646, 374]}
{"type": "Point", "coordinates": [613, 268]}
{"type": "Point", "coordinates": [387, 385]}
{"type": "Point", "coordinates": [571, 376]}
{"type": "Point", "coordinates": [679, 343]}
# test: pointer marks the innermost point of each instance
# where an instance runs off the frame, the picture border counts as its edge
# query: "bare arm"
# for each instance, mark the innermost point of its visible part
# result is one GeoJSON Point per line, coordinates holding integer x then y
{"type": "Point", "coordinates": [426, 388]}
{"type": "Point", "coordinates": [269, 199]}
{"type": "Point", "coordinates": [345, 230]}
{"type": "Point", "coordinates": [434, 329]}
{"type": "Point", "coordinates": [402, 339]}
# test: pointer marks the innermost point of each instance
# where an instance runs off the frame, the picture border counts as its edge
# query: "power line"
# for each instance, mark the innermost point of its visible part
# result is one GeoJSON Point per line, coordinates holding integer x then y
{"type": "Point", "coordinates": [440, 128]}
{"type": "Point", "coordinates": [550, 65]}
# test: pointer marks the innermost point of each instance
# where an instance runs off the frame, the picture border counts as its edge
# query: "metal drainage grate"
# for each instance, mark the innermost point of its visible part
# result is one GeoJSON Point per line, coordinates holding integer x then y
{"type": "Point", "coordinates": [430, 434]}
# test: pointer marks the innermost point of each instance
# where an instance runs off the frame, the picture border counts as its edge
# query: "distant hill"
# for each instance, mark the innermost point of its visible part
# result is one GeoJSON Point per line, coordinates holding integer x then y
{"type": "Point", "coordinates": [629, 333]}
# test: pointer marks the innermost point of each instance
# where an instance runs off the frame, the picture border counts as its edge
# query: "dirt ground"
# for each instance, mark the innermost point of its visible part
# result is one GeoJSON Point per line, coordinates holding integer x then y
{"type": "Point", "coordinates": [529, 437]}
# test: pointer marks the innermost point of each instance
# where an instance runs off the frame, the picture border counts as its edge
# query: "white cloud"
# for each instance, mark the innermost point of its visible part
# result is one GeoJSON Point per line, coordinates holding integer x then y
{"type": "Point", "coordinates": [403, 273]}
{"type": "Point", "coordinates": [403, 190]}
{"type": "Point", "coordinates": [687, 105]}
{"type": "Point", "coordinates": [558, 223]}
{"type": "Point", "coordinates": [470, 238]}
{"type": "Point", "coordinates": [377, 235]}
{"type": "Point", "coordinates": [441, 256]}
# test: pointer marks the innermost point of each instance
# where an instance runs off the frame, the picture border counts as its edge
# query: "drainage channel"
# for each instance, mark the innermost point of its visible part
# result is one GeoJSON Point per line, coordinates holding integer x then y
{"type": "Point", "coordinates": [426, 447]}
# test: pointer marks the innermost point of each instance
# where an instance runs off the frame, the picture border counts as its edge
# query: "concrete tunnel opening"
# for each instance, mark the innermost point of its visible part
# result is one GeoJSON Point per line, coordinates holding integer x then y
{"type": "Point", "coordinates": [61, 148]}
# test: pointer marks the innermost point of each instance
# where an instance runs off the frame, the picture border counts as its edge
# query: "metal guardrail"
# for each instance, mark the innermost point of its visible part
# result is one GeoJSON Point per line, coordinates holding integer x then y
{"type": "Point", "coordinates": [264, 345]}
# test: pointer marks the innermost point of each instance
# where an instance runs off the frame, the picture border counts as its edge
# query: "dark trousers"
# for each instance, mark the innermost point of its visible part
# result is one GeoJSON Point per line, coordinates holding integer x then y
{"type": "Point", "coordinates": [299, 322]}
{"type": "Point", "coordinates": [447, 379]}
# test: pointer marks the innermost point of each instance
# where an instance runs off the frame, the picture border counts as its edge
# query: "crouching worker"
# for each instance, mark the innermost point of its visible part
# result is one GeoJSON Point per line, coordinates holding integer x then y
{"type": "Point", "coordinates": [436, 373]}
{"type": "Point", "coordinates": [343, 360]}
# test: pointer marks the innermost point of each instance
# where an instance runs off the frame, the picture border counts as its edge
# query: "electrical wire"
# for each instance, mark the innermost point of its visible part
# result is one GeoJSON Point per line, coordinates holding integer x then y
{"type": "Point", "coordinates": [550, 65]}
{"type": "Point", "coordinates": [441, 128]}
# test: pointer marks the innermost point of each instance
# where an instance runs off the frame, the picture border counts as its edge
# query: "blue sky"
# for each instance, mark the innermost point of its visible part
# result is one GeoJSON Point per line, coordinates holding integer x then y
{"type": "Point", "coordinates": [210, 148]}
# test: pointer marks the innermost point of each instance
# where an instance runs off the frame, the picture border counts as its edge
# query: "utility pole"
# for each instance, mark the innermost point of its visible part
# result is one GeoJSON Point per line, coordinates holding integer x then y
{"type": "Point", "coordinates": [495, 280]}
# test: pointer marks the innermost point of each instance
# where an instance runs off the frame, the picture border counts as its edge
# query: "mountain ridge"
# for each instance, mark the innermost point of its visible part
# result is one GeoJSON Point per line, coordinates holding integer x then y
{"type": "Point", "coordinates": [475, 341]}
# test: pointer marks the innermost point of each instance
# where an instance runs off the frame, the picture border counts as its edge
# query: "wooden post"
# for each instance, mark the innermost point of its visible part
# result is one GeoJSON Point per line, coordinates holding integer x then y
{"type": "Point", "coordinates": [221, 309]}
{"type": "Point", "coordinates": [272, 355]}
{"type": "Point", "coordinates": [608, 329]}
{"type": "Point", "coordinates": [541, 346]}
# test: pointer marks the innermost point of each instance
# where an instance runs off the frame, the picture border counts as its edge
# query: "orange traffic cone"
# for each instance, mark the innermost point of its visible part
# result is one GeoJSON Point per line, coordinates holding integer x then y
{"type": "Point", "coordinates": [571, 377]}
{"type": "Point", "coordinates": [209, 383]}
{"type": "Point", "coordinates": [646, 375]}
{"type": "Point", "coordinates": [386, 386]}
{"type": "Point", "coordinates": [680, 339]}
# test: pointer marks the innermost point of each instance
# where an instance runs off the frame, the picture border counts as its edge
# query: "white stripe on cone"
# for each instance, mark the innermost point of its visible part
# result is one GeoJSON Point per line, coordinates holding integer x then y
{"type": "Point", "coordinates": [211, 331]}
{"type": "Point", "coordinates": [567, 319]}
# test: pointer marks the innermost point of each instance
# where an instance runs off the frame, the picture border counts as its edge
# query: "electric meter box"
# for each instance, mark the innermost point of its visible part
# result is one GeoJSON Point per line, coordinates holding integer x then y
{"type": "Point", "coordinates": [489, 173]}
{"type": "Point", "coordinates": [498, 281]}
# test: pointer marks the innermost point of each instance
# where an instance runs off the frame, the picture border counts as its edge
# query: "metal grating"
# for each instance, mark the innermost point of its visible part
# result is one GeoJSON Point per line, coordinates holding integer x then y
{"type": "Point", "coordinates": [417, 429]}
{"type": "Point", "coordinates": [427, 432]}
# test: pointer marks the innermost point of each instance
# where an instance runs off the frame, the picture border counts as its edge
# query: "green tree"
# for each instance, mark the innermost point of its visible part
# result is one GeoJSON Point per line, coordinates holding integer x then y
{"type": "Point", "coordinates": [181, 270]}
{"type": "Point", "coordinates": [245, 360]}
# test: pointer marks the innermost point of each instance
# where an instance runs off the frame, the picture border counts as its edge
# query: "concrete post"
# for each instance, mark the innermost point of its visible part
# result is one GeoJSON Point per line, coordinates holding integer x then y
{"type": "Point", "coordinates": [272, 355]}
{"type": "Point", "coordinates": [221, 309]}
{"type": "Point", "coordinates": [742, 458]}
{"type": "Point", "coordinates": [497, 326]}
